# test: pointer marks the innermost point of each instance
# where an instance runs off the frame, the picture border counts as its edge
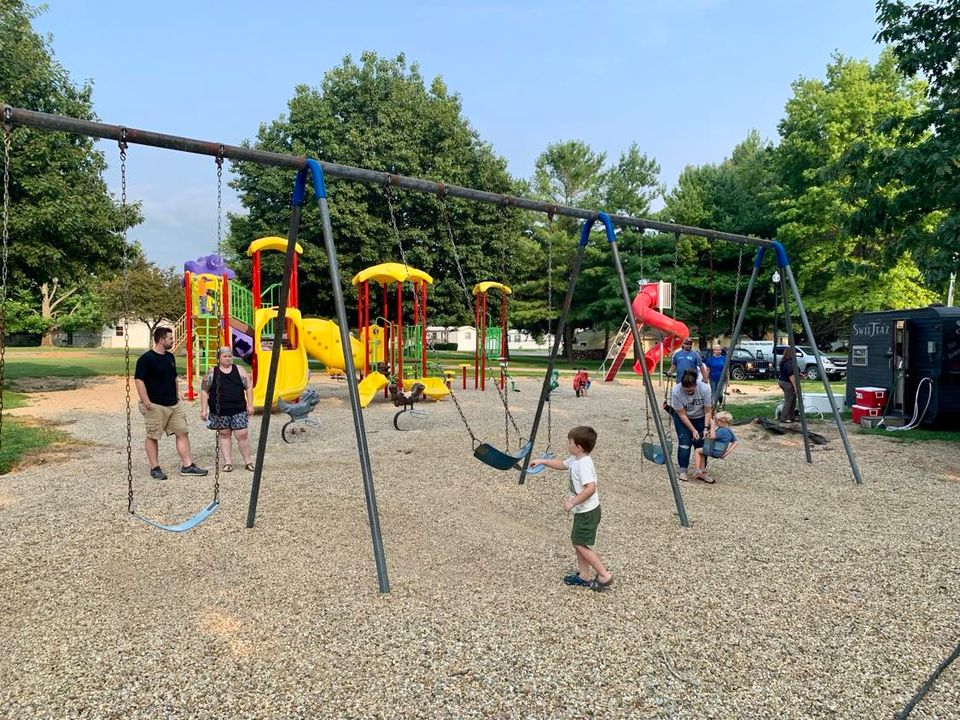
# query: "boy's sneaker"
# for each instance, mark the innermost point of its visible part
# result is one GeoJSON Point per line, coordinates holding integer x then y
{"type": "Point", "coordinates": [575, 579]}
{"type": "Point", "coordinates": [192, 469]}
{"type": "Point", "coordinates": [157, 473]}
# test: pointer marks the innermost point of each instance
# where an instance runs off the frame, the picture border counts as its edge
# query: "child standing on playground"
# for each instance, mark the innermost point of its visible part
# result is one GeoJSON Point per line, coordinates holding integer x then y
{"type": "Point", "coordinates": [581, 382]}
{"type": "Point", "coordinates": [584, 502]}
{"type": "Point", "coordinates": [721, 434]}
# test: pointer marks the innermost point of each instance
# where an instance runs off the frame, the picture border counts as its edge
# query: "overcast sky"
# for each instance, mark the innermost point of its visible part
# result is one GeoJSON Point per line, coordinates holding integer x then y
{"type": "Point", "coordinates": [685, 79]}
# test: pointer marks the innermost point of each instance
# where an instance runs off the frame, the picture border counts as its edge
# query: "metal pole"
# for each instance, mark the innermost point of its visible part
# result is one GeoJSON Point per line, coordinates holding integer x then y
{"type": "Point", "coordinates": [792, 340]}
{"type": "Point", "coordinates": [47, 121]}
{"type": "Point", "coordinates": [279, 327]}
{"type": "Point", "coordinates": [557, 338]}
{"type": "Point", "coordinates": [361, 433]}
{"type": "Point", "coordinates": [648, 385]}
{"type": "Point", "coordinates": [739, 325]}
{"type": "Point", "coordinates": [823, 376]}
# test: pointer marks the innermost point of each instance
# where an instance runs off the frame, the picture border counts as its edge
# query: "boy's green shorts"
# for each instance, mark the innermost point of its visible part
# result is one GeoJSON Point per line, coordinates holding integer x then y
{"type": "Point", "coordinates": [585, 527]}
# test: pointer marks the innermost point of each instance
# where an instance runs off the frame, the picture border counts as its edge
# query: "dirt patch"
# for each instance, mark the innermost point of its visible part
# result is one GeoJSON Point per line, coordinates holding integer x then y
{"type": "Point", "coordinates": [53, 394]}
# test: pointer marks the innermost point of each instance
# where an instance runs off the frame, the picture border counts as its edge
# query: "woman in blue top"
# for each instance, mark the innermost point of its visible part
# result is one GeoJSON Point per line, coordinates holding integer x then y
{"type": "Point", "coordinates": [715, 364]}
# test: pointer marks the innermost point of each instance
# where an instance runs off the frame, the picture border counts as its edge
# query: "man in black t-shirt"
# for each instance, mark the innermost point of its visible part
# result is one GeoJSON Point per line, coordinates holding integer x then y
{"type": "Point", "coordinates": [156, 381]}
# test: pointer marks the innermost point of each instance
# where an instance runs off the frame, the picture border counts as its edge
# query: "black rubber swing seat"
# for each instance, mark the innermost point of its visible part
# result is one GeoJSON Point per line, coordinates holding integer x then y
{"type": "Point", "coordinates": [489, 455]}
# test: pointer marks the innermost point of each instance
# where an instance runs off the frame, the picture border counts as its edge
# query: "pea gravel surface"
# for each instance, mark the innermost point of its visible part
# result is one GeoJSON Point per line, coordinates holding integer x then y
{"type": "Point", "coordinates": [794, 593]}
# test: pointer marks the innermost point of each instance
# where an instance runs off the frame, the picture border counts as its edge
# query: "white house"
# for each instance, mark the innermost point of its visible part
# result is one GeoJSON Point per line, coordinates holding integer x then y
{"type": "Point", "coordinates": [111, 336]}
{"type": "Point", "coordinates": [465, 336]}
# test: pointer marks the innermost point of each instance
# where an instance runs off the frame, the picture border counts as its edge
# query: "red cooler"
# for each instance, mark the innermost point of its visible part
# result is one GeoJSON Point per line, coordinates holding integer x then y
{"type": "Point", "coordinates": [871, 397]}
{"type": "Point", "coordinates": [860, 411]}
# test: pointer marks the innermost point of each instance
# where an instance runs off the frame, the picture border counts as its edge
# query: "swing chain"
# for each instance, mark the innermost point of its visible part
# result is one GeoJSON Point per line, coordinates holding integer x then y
{"type": "Point", "coordinates": [7, 133]}
{"type": "Point", "coordinates": [453, 245]}
{"type": "Point", "coordinates": [463, 417]}
{"type": "Point", "coordinates": [506, 407]}
{"type": "Point", "coordinates": [225, 328]}
{"type": "Point", "coordinates": [122, 144]}
{"type": "Point", "coordinates": [390, 197]}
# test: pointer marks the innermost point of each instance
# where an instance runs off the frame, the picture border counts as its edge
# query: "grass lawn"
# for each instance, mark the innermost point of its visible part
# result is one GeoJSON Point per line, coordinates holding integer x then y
{"type": "Point", "coordinates": [20, 439]}
{"type": "Point", "coordinates": [64, 362]}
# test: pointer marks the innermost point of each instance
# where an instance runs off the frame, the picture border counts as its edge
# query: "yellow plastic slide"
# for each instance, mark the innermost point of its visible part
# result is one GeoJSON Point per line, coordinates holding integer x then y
{"type": "Point", "coordinates": [321, 339]}
{"type": "Point", "coordinates": [293, 372]}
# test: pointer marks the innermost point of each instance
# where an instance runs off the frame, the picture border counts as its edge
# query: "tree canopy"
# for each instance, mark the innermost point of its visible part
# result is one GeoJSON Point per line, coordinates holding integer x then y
{"type": "Point", "coordinates": [65, 228]}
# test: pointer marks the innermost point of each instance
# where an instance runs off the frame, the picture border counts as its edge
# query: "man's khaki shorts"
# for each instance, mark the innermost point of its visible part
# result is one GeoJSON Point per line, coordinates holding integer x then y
{"type": "Point", "coordinates": [160, 419]}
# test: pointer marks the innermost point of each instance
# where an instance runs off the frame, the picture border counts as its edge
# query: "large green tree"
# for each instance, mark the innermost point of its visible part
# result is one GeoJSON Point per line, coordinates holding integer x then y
{"type": "Point", "coordinates": [380, 113]}
{"type": "Point", "coordinates": [65, 228]}
{"type": "Point", "coordinates": [836, 259]}
{"type": "Point", "coordinates": [912, 185]}
{"type": "Point", "coordinates": [148, 293]}
{"type": "Point", "coordinates": [571, 173]}
{"type": "Point", "coordinates": [732, 196]}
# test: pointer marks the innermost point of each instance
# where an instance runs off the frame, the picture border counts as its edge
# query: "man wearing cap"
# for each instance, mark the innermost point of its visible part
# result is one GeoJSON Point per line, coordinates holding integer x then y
{"type": "Point", "coordinates": [687, 359]}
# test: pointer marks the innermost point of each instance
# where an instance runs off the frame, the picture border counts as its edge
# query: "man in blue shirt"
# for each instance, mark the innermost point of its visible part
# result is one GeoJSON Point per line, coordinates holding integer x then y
{"type": "Point", "coordinates": [686, 359]}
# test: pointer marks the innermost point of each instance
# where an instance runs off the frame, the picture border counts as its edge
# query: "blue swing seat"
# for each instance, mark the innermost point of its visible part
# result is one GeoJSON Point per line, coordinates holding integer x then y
{"type": "Point", "coordinates": [489, 455]}
{"type": "Point", "coordinates": [654, 452]}
{"type": "Point", "coordinates": [540, 468]}
{"type": "Point", "coordinates": [715, 448]}
{"type": "Point", "coordinates": [188, 524]}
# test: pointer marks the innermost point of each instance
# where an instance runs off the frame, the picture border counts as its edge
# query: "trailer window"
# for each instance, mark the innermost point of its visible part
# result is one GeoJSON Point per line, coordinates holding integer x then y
{"type": "Point", "coordinates": [859, 355]}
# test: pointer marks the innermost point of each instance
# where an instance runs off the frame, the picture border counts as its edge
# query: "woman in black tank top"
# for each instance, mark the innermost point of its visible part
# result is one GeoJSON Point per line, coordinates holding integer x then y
{"type": "Point", "coordinates": [226, 398]}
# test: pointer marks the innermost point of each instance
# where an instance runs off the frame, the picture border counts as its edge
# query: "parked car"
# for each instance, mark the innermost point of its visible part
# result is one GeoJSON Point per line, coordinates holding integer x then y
{"type": "Point", "coordinates": [744, 365]}
{"type": "Point", "coordinates": [807, 363]}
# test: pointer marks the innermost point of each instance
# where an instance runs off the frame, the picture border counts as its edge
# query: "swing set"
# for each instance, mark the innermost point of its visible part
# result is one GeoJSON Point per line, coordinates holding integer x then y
{"type": "Point", "coordinates": [317, 170]}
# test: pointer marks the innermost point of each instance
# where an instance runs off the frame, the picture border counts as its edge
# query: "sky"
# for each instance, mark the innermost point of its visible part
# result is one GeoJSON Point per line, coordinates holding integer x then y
{"type": "Point", "coordinates": [684, 79]}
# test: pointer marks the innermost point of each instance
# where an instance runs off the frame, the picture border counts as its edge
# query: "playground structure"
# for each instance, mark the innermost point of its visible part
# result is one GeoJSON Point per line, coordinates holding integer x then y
{"type": "Point", "coordinates": [491, 342]}
{"type": "Point", "coordinates": [221, 312]}
{"type": "Point", "coordinates": [645, 303]}
{"type": "Point", "coordinates": [399, 342]}
{"type": "Point", "coordinates": [305, 166]}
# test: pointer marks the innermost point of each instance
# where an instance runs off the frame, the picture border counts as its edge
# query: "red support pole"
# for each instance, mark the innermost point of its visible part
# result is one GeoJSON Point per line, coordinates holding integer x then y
{"type": "Point", "coordinates": [400, 335]}
{"type": "Point", "coordinates": [464, 369]}
{"type": "Point", "coordinates": [365, 328]}
{"type": "Point", "coordinates": [255, 271]}
{"type": "Point", "coordinates": [293, 297]}
{"type": "Point", "coordinates": [225, 308]}
{"type": "Point", "coordinates": [476, 345]}
{"type": "Point", "coordinates": [483, 345]}
{"type": "Point", "coordinates": [188, 330]}
{"type": "Point", "coordinates": [423, 345]}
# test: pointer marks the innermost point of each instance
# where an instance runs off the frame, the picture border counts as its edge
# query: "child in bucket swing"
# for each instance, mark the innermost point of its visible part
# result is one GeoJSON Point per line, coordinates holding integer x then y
{"type": "Point", "coordinates": [721, 434]}
{"type": "Point", "coordinates": [584, 502]}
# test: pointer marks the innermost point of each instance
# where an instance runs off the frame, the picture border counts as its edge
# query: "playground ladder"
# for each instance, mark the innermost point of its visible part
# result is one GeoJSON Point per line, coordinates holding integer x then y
{"type": "Point", "coordinates": [179, 333]}
{"type": "Point", "coordinates": [617, 352]}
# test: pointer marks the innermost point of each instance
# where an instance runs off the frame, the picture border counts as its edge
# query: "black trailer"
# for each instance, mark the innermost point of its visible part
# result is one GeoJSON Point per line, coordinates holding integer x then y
{"type": "Point", "coordinates": [915, 355]}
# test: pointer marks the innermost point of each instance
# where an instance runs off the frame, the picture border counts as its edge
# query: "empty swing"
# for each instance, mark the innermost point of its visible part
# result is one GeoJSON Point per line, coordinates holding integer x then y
{"type": "Point", "coordinates": [214, 504]}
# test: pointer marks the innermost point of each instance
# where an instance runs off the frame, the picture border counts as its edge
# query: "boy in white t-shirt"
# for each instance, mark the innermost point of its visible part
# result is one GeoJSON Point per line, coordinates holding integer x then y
{"type": "Point", "coordinates": [584, 502]}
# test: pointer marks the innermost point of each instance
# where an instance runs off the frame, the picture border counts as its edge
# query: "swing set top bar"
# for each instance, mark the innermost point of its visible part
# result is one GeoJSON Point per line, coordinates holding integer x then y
{"type": "Point", "coordinates": [48, 121]}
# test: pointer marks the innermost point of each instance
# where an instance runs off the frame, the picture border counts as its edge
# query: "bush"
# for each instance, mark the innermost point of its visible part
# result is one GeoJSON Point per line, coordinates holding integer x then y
{"type": "Point", "coordinates": [444, 346]}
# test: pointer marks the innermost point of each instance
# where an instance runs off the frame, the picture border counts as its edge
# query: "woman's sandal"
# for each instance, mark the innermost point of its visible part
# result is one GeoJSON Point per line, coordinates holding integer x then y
{"type": "Point", "coordinates": [227, 468]}
{"type": "Point", "coordinates": [249, 466]}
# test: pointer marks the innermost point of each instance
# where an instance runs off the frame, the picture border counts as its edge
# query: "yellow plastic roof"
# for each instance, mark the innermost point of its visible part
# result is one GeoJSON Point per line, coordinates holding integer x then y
{"type": "Point", "coordinates": [481, 288]}
{"type": "Point", "coordinates": [391, 272]}
{"type": "Point", "coordinates": [271, 242]}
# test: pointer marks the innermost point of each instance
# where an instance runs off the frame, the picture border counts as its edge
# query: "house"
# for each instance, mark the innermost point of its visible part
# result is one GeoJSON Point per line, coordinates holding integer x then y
{"type": "Point", "coordinates": [111, 336]}
{"type": "Point", "coordinates": [465, 337]}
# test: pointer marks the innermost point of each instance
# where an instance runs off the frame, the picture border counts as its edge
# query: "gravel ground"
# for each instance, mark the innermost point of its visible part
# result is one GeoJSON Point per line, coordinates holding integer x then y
{"type": "Point", "coordinates": [794, 593]}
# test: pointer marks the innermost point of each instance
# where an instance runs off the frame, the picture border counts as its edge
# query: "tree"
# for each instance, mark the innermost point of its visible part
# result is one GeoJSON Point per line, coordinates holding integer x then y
{"type": "Point", "coordinates": [836, 258]}
{"type": "Point", "coordinates": [913, 184]}
{"type": "Point", "coordinates": [380, 114]}
{"type": "Point", "coordinates": [732, 196]}
{"type": "Point", "coordinates": [65, 228]}
{"type": "Point", "coordinates": [571, 173]}
{"type": "Point", "coordinates": [155, 294]}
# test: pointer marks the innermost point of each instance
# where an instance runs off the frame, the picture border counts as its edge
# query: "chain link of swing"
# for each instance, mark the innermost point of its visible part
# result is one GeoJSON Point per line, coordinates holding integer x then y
{"type": "Point", "coordinates": [122, 146]}
{"type": "Point", "coordinates": [7, 136]}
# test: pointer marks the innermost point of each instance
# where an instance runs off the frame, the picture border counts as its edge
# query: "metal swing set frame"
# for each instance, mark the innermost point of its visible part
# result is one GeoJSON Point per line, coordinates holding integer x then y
{"type": "Point", "coordinates": [318, 170]}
